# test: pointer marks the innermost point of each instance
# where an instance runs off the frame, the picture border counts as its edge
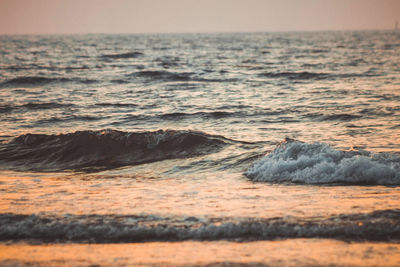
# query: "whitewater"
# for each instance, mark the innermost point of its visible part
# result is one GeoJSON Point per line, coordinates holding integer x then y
{"type": "Point", "coordinates": [200, 149]}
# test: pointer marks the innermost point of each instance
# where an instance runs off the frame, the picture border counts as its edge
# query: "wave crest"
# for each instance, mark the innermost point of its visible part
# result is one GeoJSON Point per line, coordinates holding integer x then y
{"type": "Point", "coordinates": [316, 163]}
{"type": "Point", "coordinates": [106, 149]}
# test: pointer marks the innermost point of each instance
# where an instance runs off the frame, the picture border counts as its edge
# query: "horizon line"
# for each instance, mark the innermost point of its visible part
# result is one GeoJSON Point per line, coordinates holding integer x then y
{"type": "Point", "coordinates": [200, 32]}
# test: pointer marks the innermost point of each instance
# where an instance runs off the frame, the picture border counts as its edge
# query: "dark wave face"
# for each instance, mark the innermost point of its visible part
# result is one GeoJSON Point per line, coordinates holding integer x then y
{"type": "Point", "coordinates": [99, 150]}
{"type": "Point", "coordinates": [376, 226]}
{"type": "Point", "coordinates": [316, 163]}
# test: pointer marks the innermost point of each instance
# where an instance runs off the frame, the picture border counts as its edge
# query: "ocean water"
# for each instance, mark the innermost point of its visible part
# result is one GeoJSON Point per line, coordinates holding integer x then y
{"type": "Point", "coordinates": [231, 149]}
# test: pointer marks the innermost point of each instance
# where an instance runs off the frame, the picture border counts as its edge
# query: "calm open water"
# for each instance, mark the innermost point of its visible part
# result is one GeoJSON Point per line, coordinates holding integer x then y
{"type": "Point", "coordinates": [200, 149]}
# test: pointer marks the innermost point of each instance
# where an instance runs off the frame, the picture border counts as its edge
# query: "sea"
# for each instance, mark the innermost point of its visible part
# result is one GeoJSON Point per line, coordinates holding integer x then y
{"type": "Point", "coordinates": [207, 149]}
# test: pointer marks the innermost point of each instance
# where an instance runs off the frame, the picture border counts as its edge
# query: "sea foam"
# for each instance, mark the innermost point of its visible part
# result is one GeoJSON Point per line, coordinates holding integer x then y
{"type": "Point", "coordinates": [317, 163]}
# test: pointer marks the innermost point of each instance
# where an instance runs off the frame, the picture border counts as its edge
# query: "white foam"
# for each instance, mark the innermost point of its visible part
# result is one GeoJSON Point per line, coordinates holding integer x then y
{"type": "Point", "coordinates": [317, 163]}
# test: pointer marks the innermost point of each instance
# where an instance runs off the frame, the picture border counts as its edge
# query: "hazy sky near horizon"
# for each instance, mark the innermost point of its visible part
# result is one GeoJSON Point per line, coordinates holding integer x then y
{"type": "Point", "coordinates": [158, 16]}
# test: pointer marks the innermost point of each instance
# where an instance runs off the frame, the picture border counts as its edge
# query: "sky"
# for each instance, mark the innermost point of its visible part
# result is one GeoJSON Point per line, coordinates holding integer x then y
{"type": "Point", "coordinates": [176, 16]}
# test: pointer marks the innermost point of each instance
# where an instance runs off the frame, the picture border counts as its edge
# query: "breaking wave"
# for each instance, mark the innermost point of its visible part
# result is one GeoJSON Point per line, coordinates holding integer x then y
{"type": "Point", "coordinates": [383, 225]}
{"type": "Point", "coordinates": [316, 163]}
{"type": "Point", "coordinates": [106, 149]}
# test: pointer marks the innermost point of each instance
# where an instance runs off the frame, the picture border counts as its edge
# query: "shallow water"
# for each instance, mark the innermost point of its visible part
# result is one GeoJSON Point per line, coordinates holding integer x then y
{"type": "Point", "coordinates": [293, 252]}
{"type": "Point", "coordinates": [220, 138]}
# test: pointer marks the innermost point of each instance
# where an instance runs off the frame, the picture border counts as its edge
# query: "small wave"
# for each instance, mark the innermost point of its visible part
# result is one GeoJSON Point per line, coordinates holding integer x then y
{"type": "Point", "coordinates": [73, 118]}
{"type": "Point", "coordinates": [38, 80]}
{"type": "Point", "coordinates": [333, 117]}
{"type": "Point", "coordinates": [33, 106]}
{"type": "Point", "coordinates": [316, 163]}
{"type": "Point", "coordinates": [168, 61]}
{"type": "Point", "coordinates": [206, 115]}
{"type": "Point", "coordinates": [84, 67]}
{"type": "Point", "coordinates": [159, 75]}
{"type": "Point", "coordinates": [48, 105]}
{"type": "Point", "coordinates": [319, 51]}
{"type": "Point", "coordinates": [6, 108]}
{"type": "Point", "coordinates": [295, 75]}
{"type": "Point", "coordinates": [119, 81]}
{"type": "Point", "coordinates": [33, 80]}
{"type": "Point", "coordinates": [169, 76]}
{"type": "Point", "coordinates": [340, 117]}
{"type": "Point", "coordinates": [316, 75]}
{"type": "Point", "coordinates": [100, 150]}
{"type": "Point", "coordinates": [381, 225]}
{"type": "Point", "coordinates": [122, 105]}
{"type": "Point", "coordinates": [134, 54]}
{"type": "Point", "coordinates": [391, 46]}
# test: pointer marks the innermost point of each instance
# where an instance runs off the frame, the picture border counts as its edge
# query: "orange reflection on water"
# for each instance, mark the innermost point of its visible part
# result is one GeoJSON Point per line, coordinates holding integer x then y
{"type": "Point", "coordinates": [211, 195]}
{"type": "Point", "coordinates": [293, 252]}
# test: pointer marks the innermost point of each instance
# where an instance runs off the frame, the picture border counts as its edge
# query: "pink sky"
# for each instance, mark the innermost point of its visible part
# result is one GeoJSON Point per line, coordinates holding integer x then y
{"type": "Point", "coordinates": [142, 16]}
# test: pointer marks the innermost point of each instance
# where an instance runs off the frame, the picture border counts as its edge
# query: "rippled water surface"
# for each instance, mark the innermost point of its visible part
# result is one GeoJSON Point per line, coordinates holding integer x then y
{"type": "Point", "coordinates": [222, 138]}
